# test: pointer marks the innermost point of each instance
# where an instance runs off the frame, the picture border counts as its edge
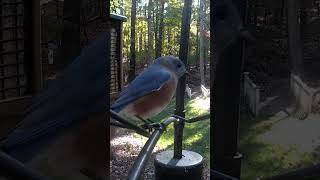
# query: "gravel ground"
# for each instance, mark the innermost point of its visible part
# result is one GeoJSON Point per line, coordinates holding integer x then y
{"type": "Point", "coordinates": [126, 148]}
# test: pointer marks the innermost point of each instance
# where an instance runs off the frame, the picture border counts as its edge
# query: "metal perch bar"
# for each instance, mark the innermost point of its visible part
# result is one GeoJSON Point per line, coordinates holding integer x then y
{"type": "Point", "coordinates": [14, 169]}
{"type": "Point", "coordinates": [192, 120]}
{"type": "Point", "coordinates": [128, 124]}
{"type": "Point", "coordinates": [199, 118]}
{"type": "Point", "coordinates": [120, 125]}
{"type": "Point", "coordinates": [144, 155]}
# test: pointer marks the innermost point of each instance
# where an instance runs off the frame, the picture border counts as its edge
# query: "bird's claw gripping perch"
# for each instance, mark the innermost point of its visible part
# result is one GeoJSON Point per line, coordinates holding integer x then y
{"type": "Point", "coordinates": [179, 118]}
{"type": "Point", "coordinates": [151, 126]}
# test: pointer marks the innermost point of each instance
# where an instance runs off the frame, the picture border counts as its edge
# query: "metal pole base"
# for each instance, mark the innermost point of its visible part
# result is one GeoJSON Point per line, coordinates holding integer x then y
{"type": "Point", "coordinates": [189, 167]}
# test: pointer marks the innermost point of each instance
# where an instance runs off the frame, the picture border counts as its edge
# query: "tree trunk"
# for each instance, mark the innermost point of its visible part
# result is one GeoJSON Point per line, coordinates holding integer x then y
{"type": "Point", "coordinates": [169, 41]}
{"type": "Point", "coordinates": [295, 50]}
{"type": "Point", "coordinates": [201, 49]}
{"type": "Point", "coordinates": [132, 70]}
{"type": "Point", "coordinates": [145, 51]}
{"type": "Point", "coordinates": [198, 42]}
{"type": "Point", "coordinates": [160, 39]}
{"type": "Point", "coordinates": [140, 41]}
{"type": "Point", "coordinates": [206, 42]}
{"type": "Point", "coordinates": [121, 7]}
{"type": "Point", "coordinates": [156, 31]}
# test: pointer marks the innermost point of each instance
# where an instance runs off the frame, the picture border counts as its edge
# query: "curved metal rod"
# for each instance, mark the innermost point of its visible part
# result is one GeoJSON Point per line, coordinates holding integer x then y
{"type": "Point", "coordinates": [192, 120]}
{"type": "Point", "coordinates": [144, 155]}
{"type": "Point", "coordinates": [14, 169]}
{"type": "Point", "coordinates": [120, 125]}
{"type": "Point", "coordinates": [129, 124]}
{"type": "Point", "coordinates": [199, 118]}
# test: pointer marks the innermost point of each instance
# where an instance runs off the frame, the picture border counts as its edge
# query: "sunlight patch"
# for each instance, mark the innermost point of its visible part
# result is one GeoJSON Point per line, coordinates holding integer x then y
{"type": "Point", "coordinates": [193, 139]}
{"type": "Point", "coordinates": [200, 103]}
{"type": "Point", "coordinates": [304, 135]}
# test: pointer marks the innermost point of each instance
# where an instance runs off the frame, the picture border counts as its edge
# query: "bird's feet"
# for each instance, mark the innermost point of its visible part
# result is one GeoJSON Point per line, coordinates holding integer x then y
{"type": "Point", "coordinates": [153, 126]}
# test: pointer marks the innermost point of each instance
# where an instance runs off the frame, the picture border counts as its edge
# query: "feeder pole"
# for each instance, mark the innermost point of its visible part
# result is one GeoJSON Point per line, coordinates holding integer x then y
{"type": "Point", "coordinates": [183, 55]}
{"type": "Point", "coordinates": [225, 101]}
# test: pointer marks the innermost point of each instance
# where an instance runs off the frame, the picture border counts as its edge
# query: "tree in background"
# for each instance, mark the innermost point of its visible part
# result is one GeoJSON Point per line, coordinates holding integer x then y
{"type": "Point", "coordinates": [201, 49]}
{"type": "Point", "coordinates": [157, 32]}
{"type": "Point", "coordinates": [160, 30]}
{"type": "Point", "coordinates": [150, 47]}
{"type": "Point", "coordinates": [132, 69]}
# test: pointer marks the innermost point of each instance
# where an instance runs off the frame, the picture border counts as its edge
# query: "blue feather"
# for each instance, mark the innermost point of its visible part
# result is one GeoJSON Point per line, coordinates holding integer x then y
{"type": "Point", "coordinates": [147, 82]}
{"type": "Point", "coordinates": [80, 92]}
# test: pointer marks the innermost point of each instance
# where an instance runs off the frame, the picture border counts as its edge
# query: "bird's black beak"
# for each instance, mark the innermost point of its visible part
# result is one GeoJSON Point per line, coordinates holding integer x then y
{"type": "Point", "coordinates": [187, 73]}
{"type": "Point", "coordinates": [246, 35]}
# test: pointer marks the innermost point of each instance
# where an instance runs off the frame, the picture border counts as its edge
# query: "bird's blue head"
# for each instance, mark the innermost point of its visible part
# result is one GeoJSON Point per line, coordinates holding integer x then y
{"type": "Point", "coordinates": [172, 63]}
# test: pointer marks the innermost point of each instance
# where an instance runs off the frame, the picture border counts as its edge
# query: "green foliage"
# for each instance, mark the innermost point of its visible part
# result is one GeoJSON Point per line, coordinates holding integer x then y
{"type": "Point", "coordinates": [262, 159]}
{"type": "Point", "coordinates": [114, 7]}
{"type": "Point", "coordinates": [196, 135]}
{"type": "Point", "coordinates": [171, 31]}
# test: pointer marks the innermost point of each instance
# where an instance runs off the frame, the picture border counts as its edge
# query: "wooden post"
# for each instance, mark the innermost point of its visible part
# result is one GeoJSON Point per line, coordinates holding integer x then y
{"type": "Point", "coordinates": [294, 37]}
{"type": "Point", "coordinates": [36, 46]}
{"type": "Point", "coordinates": [71, 32]}
{"type": "Point", "coordinates": [33, 67]}
{"type": "Point", "coordinates": [257, 100]}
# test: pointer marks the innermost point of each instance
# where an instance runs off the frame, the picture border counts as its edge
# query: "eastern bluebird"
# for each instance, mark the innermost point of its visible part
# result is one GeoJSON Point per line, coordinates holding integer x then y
{"type": "Point", "coordinates": [75, 97]}
{"type": "Point", "coordinates": [150, 92]}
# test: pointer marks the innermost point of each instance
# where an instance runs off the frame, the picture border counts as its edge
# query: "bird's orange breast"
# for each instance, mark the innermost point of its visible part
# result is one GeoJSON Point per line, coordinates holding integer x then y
{"type": "Point", "coordinates": [153, 103]}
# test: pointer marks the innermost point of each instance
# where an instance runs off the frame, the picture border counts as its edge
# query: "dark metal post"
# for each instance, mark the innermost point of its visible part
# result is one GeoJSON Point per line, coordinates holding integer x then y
{"type": "Point", "coordinates": [71, 31]}
{"type": "Point", "coordinates": [32, 36]}
{"type": "Point", "coordinates": [294, 39]}
{"type": "Point", "coordinates": [225, 102]}
{"type": "Point", "coordinates": [108, 86]}
{"type": "Point", "coordinates": [36, 46]}
{"type": "Point", "coordinates": [183, 55]}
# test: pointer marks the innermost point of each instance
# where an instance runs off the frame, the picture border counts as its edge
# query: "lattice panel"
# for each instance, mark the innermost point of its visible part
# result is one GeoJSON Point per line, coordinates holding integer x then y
{"type": "Point", "coordinates": [12, 76]}
{"type": "Point", "coordinates": [93, 25]}
{"type": "Point", "coordinates": [114, 64]}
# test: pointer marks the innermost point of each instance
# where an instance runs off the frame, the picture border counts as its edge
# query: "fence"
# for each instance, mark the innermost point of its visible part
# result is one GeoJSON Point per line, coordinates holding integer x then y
{"type": "Point", "coordinates": [302, 93]}
{"type": "Point", "coordinates": [252, 94]}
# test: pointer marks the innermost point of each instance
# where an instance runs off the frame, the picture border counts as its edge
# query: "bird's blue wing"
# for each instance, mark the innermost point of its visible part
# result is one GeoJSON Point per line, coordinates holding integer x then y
{"type": "Point", "coordinates": [81, 91]}
{"type": "Point", "coordinates": [149, 81]}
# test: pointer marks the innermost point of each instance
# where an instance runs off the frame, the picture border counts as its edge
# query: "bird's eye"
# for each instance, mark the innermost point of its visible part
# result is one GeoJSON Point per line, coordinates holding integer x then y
{"type": "Point", "coordinates": [179, 65]}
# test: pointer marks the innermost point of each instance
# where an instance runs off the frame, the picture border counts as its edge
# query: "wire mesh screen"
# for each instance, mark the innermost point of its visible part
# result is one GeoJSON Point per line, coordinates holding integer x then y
{"type": "Point", "coordinates": [12, 76]}
{"type": "Point", "coordinates": [114, 65]}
